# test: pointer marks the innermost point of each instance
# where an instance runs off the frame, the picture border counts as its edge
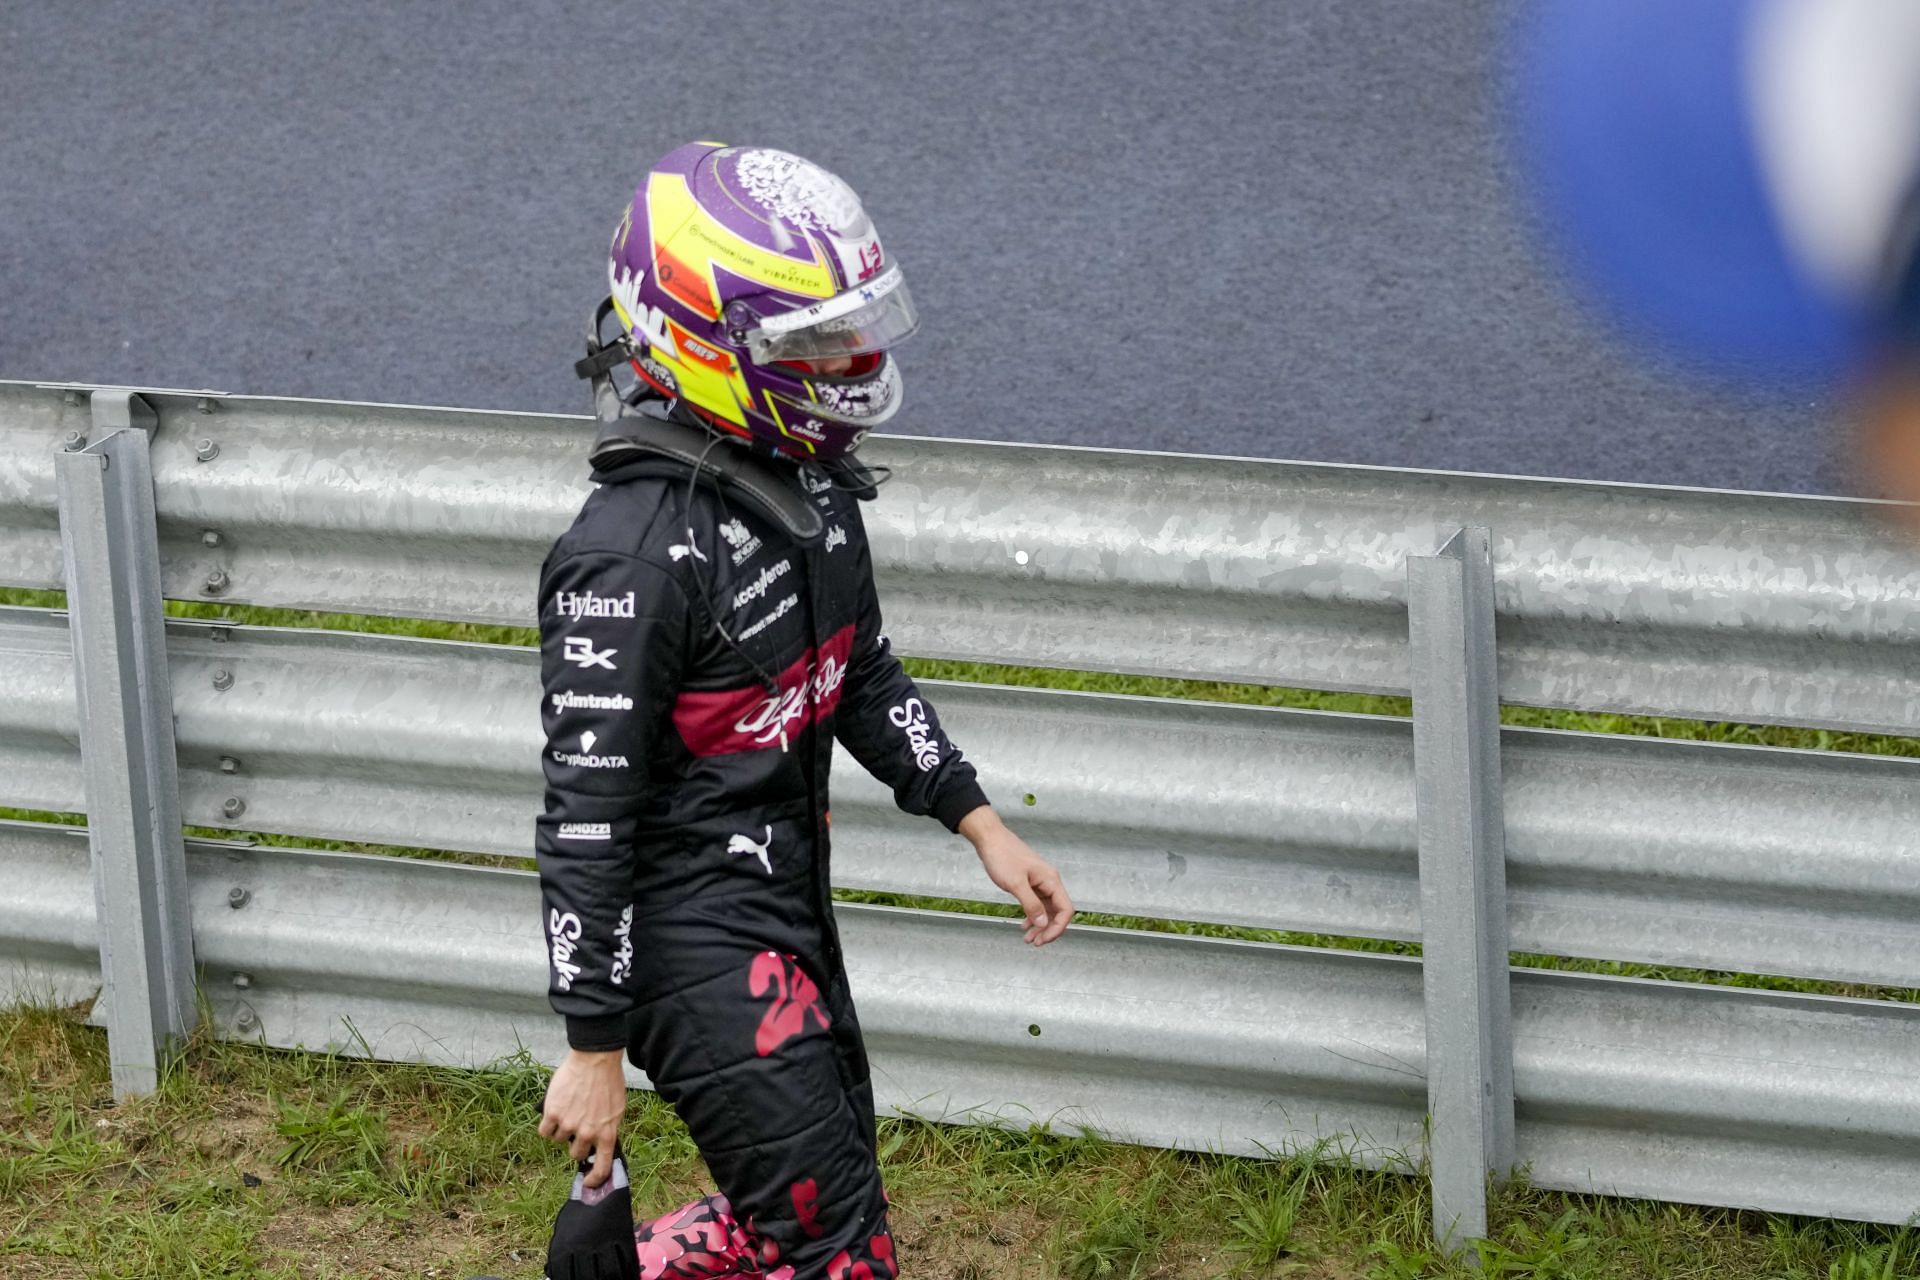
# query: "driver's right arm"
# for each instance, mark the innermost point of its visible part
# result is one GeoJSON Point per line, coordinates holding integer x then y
{"type": "Point", "coordinates": [614, 635]}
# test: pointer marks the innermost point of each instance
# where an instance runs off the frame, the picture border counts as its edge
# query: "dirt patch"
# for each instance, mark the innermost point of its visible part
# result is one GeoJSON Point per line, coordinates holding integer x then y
{"type": "Point", "coordinates": [950, 1240]}
{"type": "Point", "coordinates": [356, 1241]}
{"type": "Point", "coordinates": [15, 1266]}
{"type": "Point", "coordinates": [240, 1132]}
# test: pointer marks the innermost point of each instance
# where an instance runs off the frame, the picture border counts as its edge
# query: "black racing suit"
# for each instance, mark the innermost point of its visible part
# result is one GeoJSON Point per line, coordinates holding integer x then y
{"type": "Point", "coordinates": [683, 853]}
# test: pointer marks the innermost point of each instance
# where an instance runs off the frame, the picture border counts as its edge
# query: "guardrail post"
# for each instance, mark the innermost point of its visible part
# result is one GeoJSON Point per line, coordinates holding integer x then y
{"type": "Point", "coordinates": [1463, 881]}
{"type": "Point", "coordinates": [112, 551]}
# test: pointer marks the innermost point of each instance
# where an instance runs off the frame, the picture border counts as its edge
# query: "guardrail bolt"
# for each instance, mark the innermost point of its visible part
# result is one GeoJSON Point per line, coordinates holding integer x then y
{"type": "Point", "coordinates": [233, 806]}
{"type": "Point", "coordinates": [218, 581]}
{"type": "Point", "coordinates": [245, 1020]}
{"type": "Point", "coordinates": [204, 404]}
{"type": "Point", "coordinates": [217, 634]}
{"type": "Point", "coordinates": [229, 765]}
{"type": "Point", "coordinates": [222, 680]}
{"type": "Point", "coordinates": [71, 398]}
{"type": "Point", "coordinates": [210, 538]}
{"type": "Point", "coordinates": [206, 450]}
{"type": "Point", "coordinates": [238, 898]}
{"type": "Point", "coordinates": [1021, 557]}
{"type": "Point", "coordinates": [75, 441]}
{"type": "Point", "coordinates": [244, 981]}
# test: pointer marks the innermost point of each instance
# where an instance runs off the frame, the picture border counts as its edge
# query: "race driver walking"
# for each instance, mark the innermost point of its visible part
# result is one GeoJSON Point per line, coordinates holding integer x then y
{"type": "Point", "coordinates": [709, 628]}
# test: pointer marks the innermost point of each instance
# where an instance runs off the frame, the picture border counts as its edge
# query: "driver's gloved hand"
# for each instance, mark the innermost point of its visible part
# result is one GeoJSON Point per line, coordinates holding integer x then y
{"type": "Point", "coordinates": [593, 1234]}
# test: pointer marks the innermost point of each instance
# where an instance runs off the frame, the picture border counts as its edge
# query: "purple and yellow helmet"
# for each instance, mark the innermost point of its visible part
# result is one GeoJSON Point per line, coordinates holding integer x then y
{"type": "Point", "coordinates": [757, 295]}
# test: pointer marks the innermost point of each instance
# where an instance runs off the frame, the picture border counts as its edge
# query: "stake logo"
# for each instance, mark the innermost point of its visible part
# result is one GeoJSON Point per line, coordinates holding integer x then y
{"type": "Point", "coordinates": [563, 928]}
{"type": "Point", "coordinates": [579, 650]}
{"type": "Point", "coordinates": [622, 948]}
{"type": "Point", "coordinates": [911, 716]}
{"type": "Point", "coordinates": [836, 537]}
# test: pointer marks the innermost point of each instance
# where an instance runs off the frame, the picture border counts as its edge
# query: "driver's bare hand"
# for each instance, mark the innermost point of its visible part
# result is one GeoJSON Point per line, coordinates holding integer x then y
{"type": "Point", "coordinates": [585, 1103]}
{"type": "Point", "coordinates": [1011, 864]}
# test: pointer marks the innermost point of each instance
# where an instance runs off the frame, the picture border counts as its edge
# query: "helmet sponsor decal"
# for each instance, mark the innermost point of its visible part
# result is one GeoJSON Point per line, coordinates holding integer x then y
{"type": "Point", "coordinates": [800, 191]}
{"type": "Point", "coordinates": [647, 321]}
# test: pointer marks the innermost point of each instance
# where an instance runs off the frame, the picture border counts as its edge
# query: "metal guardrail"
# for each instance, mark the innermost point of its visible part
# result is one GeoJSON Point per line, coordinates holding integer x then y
{"type": "Point", "coordinates": [1743, 606]}
{"type": "Point", "coordinates": [1792, 1103]}
{"type": "Point", "coordinates": [1611, 597]}
{"type": "Point", "coordinates": [1700, 854]}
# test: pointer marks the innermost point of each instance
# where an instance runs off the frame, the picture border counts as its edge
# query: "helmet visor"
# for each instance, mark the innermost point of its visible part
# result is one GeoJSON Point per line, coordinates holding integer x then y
{"type": "Point", "coordinates": [868, 317]}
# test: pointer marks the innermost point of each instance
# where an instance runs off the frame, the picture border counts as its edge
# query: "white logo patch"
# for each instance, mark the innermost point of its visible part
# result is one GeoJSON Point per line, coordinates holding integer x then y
{"type": "Point", "coordinates": [623, 948]}
{"type": "Point", "coordinates": [770, 719]}
{"type": "Point", "coordinates": [911, 716]}
{"type": "Point", "coordinates": [758, 587]}
{"type": "Point", "coordinates": [747, 844]}
{"type": "Point", "coordinates": [836, 537]}
{"type": "Point", "coordinates": [585, 759]}
{"type": "Point", "coordinates": [649, 322]}
{"type": "Point", "coordinates": [585, 604]}
{"type": "Point", "coordinates": [586, 831]}
{"type": "Point", "coordinates": [741, 539]}
{"type": "Point", "coordinates": [564, 930]}
{"type": "Point", "coordinates": [778, 612]}
{"type": "Point", "coordinates": [788, 187]}
{"type": "Point", "coordinates": [571, 701]}
{"type": "Point", "coordinates": [579, 650]}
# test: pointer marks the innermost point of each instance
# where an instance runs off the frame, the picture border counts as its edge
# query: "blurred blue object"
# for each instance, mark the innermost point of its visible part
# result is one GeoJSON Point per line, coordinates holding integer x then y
{"type": "Point", "coordinates": [1679, 158]}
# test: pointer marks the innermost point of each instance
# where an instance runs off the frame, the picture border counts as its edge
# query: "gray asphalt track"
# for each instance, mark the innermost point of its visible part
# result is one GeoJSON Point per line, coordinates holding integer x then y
{"type": "Point", "coordinates": [1265, 228]}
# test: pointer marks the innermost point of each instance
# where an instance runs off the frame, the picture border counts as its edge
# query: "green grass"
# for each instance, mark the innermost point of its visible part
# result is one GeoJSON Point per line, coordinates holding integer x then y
{"type": "Point", "coordinates": [260, 1163]}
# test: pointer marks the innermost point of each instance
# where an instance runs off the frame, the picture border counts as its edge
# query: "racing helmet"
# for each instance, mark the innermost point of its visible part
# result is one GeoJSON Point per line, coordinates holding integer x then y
{"type": "Point", "coordinates": [741, 275]}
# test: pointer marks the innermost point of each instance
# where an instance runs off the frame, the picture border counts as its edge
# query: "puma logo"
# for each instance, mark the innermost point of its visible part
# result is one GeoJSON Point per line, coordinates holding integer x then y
{"type": "Point", "coordinates": [746, 844]}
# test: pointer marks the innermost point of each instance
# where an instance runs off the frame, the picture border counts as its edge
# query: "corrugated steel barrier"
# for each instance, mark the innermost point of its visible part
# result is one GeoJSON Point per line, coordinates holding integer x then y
{"type": "Point", "coordinates": [1607, 597]}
